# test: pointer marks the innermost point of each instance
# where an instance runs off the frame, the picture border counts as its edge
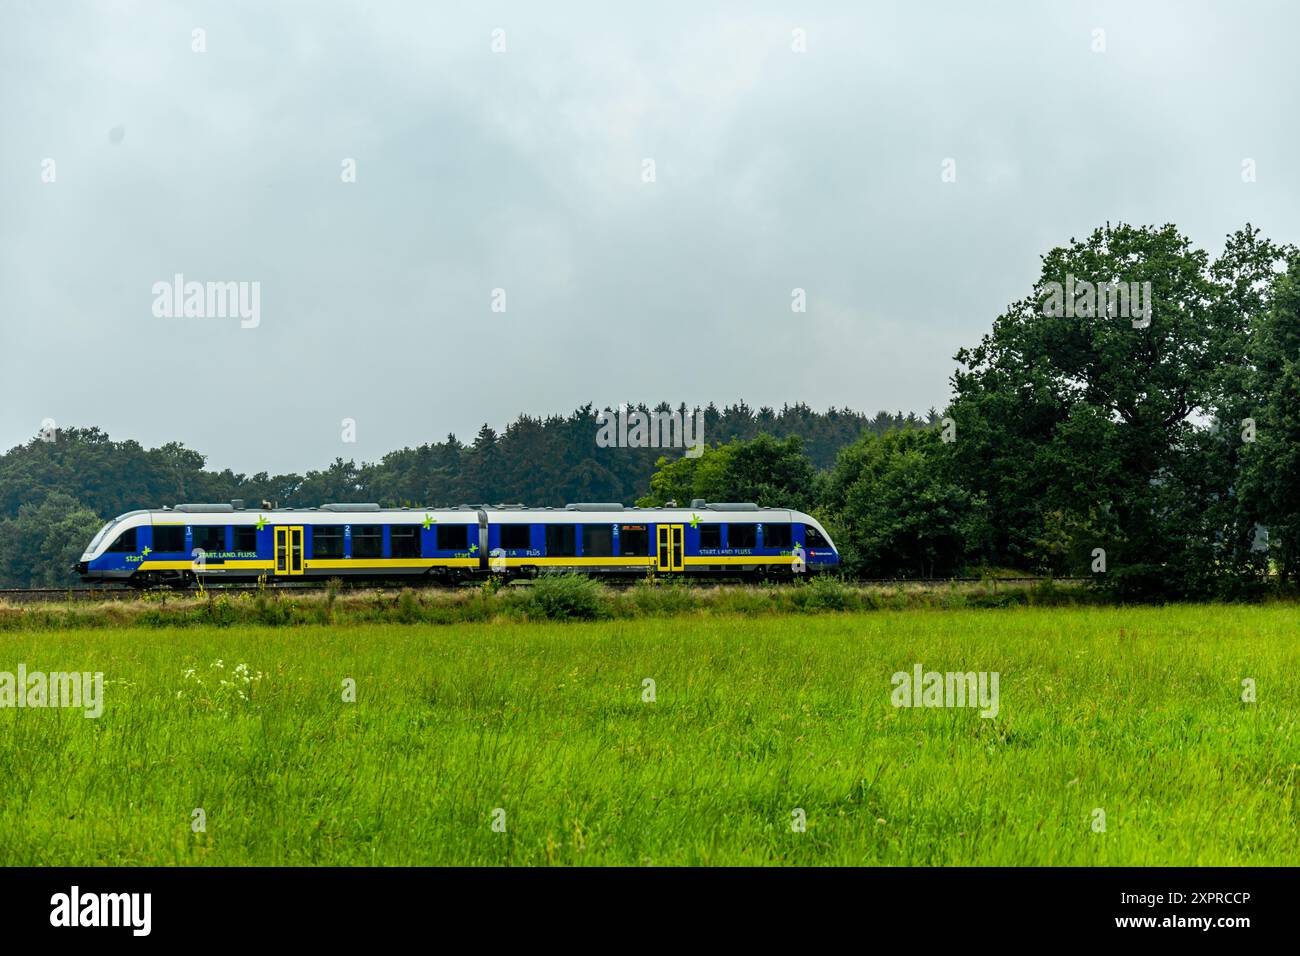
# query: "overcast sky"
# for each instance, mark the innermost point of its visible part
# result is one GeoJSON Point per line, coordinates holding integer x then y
{"type": "Point", "coordinates": [525, 170]}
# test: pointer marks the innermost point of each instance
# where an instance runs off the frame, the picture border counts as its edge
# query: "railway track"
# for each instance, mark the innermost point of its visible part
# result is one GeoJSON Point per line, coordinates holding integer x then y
{"type": "Point", "coordinates": [126, 593]}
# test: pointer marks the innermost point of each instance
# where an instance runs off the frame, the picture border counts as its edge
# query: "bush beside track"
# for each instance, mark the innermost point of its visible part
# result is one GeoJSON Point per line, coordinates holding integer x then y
{"type": "Point", "coordinates": [550, 598]}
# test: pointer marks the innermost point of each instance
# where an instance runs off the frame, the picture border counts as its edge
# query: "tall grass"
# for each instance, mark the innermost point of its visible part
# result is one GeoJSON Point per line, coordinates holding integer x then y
{"type": "Point", "coordinates": [746, 719]}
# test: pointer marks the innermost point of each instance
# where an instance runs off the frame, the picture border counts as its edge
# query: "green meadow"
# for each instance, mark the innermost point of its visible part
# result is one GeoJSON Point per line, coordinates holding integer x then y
{"type": "Point", "coordinates": [504, 742]}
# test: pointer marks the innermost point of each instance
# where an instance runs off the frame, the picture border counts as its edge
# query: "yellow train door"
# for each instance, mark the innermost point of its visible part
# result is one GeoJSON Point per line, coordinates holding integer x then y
{"type": "Point", "coordinates": [288, 549]}
{"type": "Point", "coordinates": [668, 553]}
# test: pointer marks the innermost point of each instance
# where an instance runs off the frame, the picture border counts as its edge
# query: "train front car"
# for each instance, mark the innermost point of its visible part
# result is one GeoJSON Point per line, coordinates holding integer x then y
{"type": "Point", "coordinates": [214, 542]}
{"type": "Point", "coordinates": [176, 546]}
{"type": "Point", "coordinates": [113, 555]}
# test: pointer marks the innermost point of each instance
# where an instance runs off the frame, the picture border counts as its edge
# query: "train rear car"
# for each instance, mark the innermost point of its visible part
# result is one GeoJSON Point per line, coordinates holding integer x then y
{"type": "Point", "coordinates": [705, 539]}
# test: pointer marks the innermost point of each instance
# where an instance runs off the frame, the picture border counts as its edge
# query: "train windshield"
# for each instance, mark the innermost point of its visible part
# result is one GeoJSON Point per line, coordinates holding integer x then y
{"type": "Point", "coordinates": [814, 538]}
{"type": "Point", "coordinates": [100, 537]}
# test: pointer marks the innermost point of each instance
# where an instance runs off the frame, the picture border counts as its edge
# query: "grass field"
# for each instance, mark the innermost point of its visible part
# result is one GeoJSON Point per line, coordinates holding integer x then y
{"type": "Point", "coordinates": [1134, 712]}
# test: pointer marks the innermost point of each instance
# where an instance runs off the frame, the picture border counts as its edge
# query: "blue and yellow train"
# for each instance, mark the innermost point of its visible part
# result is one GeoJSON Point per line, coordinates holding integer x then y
{"type": "Point", "coordinates": [191, 542]}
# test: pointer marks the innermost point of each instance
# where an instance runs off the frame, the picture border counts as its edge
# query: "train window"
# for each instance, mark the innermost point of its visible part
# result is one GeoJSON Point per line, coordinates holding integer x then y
{"type": "Point", "coordinates": [326, 541]}
{"type": "Point", "coordinates": [367, 541]}
{"type": "Point", "coordinates": [168, 537]}
{"type": "Point", "coordinates": [814, 538]}
{"type": "Point", "coordinates": [710, 536]}
{"type": "Point", "coordinates": [245, 537]}
{"type": "Point", "coordinates": [516, 537]}
{"type": "Point", "coordinates": [406, 541]}
{"type": "Point", "coordinates": [597, 540]}
{"type": "Point", "coordinates": [561, 541]}
{"type": "Point", "coordinates": [634, 540]}
{"type": "Point", "coordinates": [125, 542]}
{"type": "Point", "coordinates": [742, 535]}
{"type": "Point", "coordinates": [453, 537]}
{"type": "Point", "coordinates": [777, 536]}
{"type": "Point", "coordinates": [211, 539]}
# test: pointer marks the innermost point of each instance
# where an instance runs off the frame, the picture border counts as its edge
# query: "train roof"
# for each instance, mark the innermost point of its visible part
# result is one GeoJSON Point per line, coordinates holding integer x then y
{"type": "Point", "coordinates": [236, 513]}
{"type": "Point", "coordinates": [324, 514]}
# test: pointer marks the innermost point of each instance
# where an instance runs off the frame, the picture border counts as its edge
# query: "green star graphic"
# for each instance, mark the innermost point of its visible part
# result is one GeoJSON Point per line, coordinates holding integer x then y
{"type": "Point", "coordinates": [147, 550]}
{"type": "Point", "coordinates": [473, 549]}
{"type": "Point", "coordinates": [428, 520]}
{"type": "Point", "coordinates": [261, 522]}
{"type": "Point", "coordinates": [695, 520]}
